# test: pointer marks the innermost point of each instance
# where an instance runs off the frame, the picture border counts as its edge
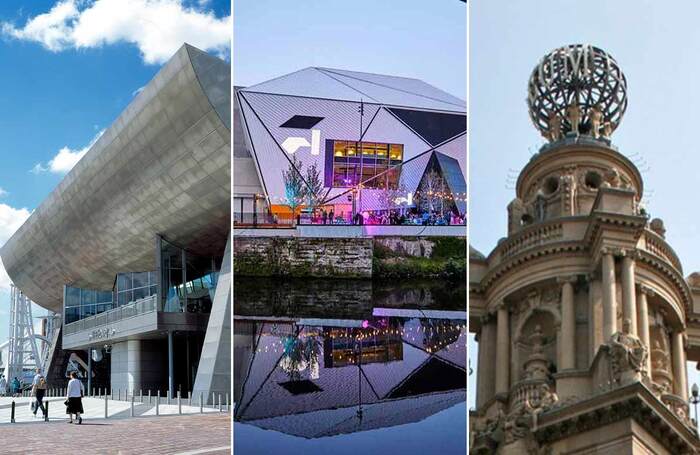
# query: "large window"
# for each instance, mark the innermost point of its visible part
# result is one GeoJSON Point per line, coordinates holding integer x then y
{"type": "Point", "coordinates": [82, 303]}
{"type": "Point", "coordinates": [366, 162]}
{"type": "Point", "coordinates": [188, 281]}
{"type": "Point", "coordinates": [133, 286]}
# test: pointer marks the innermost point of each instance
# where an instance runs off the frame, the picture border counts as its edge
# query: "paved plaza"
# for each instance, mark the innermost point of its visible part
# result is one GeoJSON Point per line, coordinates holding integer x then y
{"type": "Point", "coordinates": [95, 409]}
{"type": "Point", "coordinates": [207, 433]}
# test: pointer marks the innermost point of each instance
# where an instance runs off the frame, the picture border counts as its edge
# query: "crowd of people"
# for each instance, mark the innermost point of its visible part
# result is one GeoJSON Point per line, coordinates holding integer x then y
{"type": "Point", "coordinates": [383, 217]}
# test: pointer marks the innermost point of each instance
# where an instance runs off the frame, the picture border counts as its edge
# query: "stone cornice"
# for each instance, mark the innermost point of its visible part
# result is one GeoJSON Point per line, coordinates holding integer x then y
{"type": "Point", "coordinates": [634, 401]}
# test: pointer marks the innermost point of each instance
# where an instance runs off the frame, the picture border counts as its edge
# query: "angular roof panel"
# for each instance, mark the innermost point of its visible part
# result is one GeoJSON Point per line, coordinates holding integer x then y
{"type": "Point", "coordinates": [330, 83]}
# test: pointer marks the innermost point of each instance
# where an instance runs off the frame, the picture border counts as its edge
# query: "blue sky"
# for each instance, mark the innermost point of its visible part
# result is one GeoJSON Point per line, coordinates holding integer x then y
{"type": "Point", "coordinates": [68, 70]}
{"type": "Point", "coordinates": [655, 43]}
{"type": "Point", "coordinates": [412, 38]}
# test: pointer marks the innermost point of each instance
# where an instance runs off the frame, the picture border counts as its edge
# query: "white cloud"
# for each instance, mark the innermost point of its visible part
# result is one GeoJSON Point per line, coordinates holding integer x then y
{"type": "Point", "coordinates": [65, 159]}
{"type": "Point", "coordinates": [10, 220]}
{"type": "Point", "coordinates": [157, 27]}
{"type": "Point", "coordinates": [3, 192]}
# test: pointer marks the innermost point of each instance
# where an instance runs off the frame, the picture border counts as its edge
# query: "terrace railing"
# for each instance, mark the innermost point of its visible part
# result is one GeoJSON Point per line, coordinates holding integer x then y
{"type": "Point", "coordinates": [141, 306]}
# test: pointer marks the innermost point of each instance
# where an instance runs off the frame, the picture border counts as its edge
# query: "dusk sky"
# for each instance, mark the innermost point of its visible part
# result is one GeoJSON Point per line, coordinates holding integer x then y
{"type": "Point", "coordinates": [69, 68]}
{"type": "Point", "coordinates": [655, 45]}
{"type": "Point", "coordinates": [408, 39]}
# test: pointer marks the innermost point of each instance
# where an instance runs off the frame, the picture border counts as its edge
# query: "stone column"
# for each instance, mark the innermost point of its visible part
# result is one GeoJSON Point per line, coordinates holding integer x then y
{"type": "Point", "coordinates": [567, 350]}
{"type": "Point", "coordinates": [629, 301]}
{"type": "Point", "coordinates": [609, 305]}
{"type": "Point", "coordinates": [502, 351]}
{"type": "Point", "coordinates": [680, 379]}
{"type": "Point", "coordinates": [643, 321]}
{"type": "Point", "coordinates": [595, 317]}
{"type": "Point", "coordinates": [485, 379]}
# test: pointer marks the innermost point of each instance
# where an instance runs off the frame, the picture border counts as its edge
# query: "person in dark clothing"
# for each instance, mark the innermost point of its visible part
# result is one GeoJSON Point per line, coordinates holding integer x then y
{"type": "Point", "coordinates": [38, 391]}
{"type": "Point", "coordinates": [324, 216]}
{"type": "Point", "coordinates": [331, 217]}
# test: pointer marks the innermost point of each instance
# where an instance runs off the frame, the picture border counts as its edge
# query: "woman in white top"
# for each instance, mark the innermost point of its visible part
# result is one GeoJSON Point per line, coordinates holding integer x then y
{"type": "Point", "coordinates": [74, 403]}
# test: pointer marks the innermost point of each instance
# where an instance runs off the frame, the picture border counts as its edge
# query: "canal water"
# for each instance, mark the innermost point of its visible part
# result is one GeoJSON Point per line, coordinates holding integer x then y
{"type": "Point", "coordinates": [349, 366]}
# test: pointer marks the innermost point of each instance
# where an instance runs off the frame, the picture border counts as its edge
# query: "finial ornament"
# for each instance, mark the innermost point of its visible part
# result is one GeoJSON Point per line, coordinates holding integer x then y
{"type": "Point", "coordinates": [578, 89]}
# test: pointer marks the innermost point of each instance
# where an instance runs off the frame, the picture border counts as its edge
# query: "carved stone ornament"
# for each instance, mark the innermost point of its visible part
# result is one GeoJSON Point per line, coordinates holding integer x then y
{"type": "Point", "coordinates": [657, 226]}
{"type": "Point", "coordinates": [628, 356]}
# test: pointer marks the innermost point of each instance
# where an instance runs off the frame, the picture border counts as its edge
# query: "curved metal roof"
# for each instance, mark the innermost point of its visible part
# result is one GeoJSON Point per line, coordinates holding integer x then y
{"type": "Point", "coordinates": [163, 167]}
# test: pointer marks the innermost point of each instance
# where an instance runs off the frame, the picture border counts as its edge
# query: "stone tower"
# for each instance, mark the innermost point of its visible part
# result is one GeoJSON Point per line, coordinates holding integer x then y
{"type": "Point", "coordinates": [583, 318]}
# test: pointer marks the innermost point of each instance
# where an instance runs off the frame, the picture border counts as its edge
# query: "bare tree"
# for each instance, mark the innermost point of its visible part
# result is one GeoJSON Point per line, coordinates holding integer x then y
{"type": "Point", "coordinates": [432, 191]}
{"type": "Point", "coordinates": [295, 188]}
{"type": "Point", "coordinates": [314, 186]}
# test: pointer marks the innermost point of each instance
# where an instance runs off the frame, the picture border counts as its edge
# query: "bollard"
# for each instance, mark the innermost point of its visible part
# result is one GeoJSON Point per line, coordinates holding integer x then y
{"type": "Point", "coordinates": [201, 404]}
{"type": "Point", "coordinates": [106, 398]}
{"type": "Point", "coordinates": [119, 394]}
{"type": "Point", "coordinates": [149, 396]}
{"type": "Point", "coordinates": [213, 400]}
{"type": "Point", "coordinates": [112, 393]}
{"type": "Point", "coordinates": [189, 398]}
{"type": "Point", "coordinates": [12, 412]}
{"type": "Point", "coordinates": [158, 403]}
{"type": "Point", "coordinates": [220, 409]}
{"type": "Point", "coordinates": [168, 396]}
{"type": "Point", "coordinates": [227, 402]}
{"type": "Point", "coordinates": [46, 409]}
{"type": "Point", "coordinates": [179, 403]}
{"type": "Point", "coordinates": [132, 406]}
{"type": "Point", "coordinates": [141, 396]}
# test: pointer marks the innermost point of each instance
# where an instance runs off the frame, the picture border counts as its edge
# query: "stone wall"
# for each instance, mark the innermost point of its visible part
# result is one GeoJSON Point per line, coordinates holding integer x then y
{"type": "Point", "coordinates": [303, 256]}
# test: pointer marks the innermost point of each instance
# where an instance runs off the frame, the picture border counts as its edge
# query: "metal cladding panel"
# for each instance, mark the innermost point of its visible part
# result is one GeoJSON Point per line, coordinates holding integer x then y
{"type": "Point", "coordinates": [308, 82]}
{"type": "Point", "coordinates": [270, 159]}
{"type": "Point", "coordinates": [341, 120]}
{"type": "Point", "coordinates": [162, 167]}
{"type": "Point", "coordinates": [398, 91]}
{"type": "Point", "coordinates": [330, 422]}
{"type": "Point", "coordinates": [387, 128]}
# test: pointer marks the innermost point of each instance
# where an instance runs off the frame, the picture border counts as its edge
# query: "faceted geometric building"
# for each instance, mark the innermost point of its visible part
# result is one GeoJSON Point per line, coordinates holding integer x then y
{"type": "Point", "coordinates": [582, 314]}
{"type": "Point", "coordinates": [129, 247]}
{"type": "Point", "coordinates": [371, 139]}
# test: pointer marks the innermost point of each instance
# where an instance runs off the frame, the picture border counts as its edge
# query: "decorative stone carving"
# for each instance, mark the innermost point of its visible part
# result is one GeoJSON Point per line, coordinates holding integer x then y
{"type": "Point", "coordinates": [657, 225]}
{"type": "Point", "coordinates": [627, 356]}
{"type": "Point", "coordinates": [516, 211]}
{"type": "Point", "coordinates": [694, 280]}
{"type": "Point", "coordinates": [596, 117]}
{"type": "Point", "coordinates": [546, 400]}
{"type": "Point", "coordinates": [567, 183]}
{"type": "Point", "coordinates": [573, 114]}
{"type": "Point", "coordinates": [537, 365]}
{"type": "Point", "coordinates": [612, 176]}
{"type": "Point", "coordinates": [554, 127]}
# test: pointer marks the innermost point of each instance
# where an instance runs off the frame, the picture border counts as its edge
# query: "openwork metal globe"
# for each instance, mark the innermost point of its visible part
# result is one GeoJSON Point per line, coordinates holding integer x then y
{"type": "Point", "coordinates": [577, 89]}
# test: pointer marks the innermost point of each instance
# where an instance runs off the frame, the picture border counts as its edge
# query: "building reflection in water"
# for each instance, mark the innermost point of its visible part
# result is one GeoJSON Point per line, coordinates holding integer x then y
{"type": "Point", "coordinates": [311, 372]}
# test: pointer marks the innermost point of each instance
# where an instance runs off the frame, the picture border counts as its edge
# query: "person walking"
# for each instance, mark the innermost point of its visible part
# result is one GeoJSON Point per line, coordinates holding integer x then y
{"type": "Point", "coordinates": [74, 401]}
{"type": "Point", "coordinates": [38, 391]}
{"type": "Point", "coordinates": [16, 387]}
{"type": "Point", "coordinates": [3, 385]}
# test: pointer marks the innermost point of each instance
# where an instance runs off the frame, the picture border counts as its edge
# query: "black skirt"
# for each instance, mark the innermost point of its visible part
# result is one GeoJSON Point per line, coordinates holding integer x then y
{"type": "Point", "coordinates": [75, 405]}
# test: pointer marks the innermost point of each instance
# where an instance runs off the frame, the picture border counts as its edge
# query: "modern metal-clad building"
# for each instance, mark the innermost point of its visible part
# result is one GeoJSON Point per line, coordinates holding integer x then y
{"type": "Point", "coordinates": [129, 246]}
{"type": "Point", "coordinates": [371, 138]}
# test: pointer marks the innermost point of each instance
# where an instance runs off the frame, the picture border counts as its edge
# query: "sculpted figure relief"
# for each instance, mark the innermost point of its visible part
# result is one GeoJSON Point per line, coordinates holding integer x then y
{"type": "Point", "coordinates": [573, 114]}
{"type": "Point", "coordinates": [596, 119]}
{"type": "Point", "coordinates": [628, 355]}
{"type": "Point", "coordinates": [554, 126]}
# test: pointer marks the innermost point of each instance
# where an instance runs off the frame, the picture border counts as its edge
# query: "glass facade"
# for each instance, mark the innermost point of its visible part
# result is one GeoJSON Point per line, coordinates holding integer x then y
{"type": "Point", "coordinates": [82, 303]}
{"type": "Point", "coordinates": [132, 286]}
{"type": "Point", "coordinates": [367, 162]}
{"type": "Point", "coordinates": [187, 281]}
